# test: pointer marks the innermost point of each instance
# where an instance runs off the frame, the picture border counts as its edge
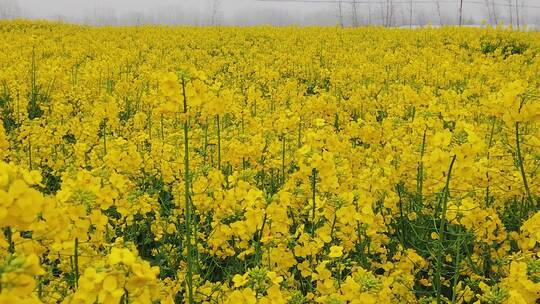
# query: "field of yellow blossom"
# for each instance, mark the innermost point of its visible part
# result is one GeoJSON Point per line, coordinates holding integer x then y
{"type": "Point", "coordinates": [268, 165]}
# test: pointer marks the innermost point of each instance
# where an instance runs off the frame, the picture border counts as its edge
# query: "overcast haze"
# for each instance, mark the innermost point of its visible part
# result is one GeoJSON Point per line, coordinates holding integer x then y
{"type": "Point", "coordinates": [250, 12]}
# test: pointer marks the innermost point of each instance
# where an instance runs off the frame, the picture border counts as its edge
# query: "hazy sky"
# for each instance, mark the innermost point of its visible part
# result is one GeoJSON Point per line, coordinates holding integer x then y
{"type": "Point", "coordinates": [79, 7]}
{"type": "Point", "coordinates": [231, 9]}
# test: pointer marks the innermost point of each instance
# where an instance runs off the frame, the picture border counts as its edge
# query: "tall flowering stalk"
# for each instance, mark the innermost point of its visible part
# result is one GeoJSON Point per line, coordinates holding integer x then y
{"type": "Point", "coordinates": [188, 206]}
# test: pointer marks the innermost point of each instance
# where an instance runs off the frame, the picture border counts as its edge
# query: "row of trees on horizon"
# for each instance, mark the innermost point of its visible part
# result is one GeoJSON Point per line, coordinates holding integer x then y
{"type": "Point", "coordinates": [390, 13]}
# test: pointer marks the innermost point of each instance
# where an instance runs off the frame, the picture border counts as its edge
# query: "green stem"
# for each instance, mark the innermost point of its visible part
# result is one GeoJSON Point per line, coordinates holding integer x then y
{"type": "Point", "coordinates": [442, 227]}
{"type": "Point", "coordinates": [205, 143]}
{"type": "Point", "coordinates": [360, 245]}
{"type": "Point", "coordinates": [339, 278]}
{"type": "Point", "coordinates": [283, 161]}
{"type": "Point", "coordinates": [105, 139]}
{"type": "Point", "coordinates": [521, 166]}
{"type": "Point", "coordinates": [218, 141]}
{"type": "Point", "coordinates": [420, 176]}
{"type": "Point", "coordinates": [456, 267]}
{"type": "Point", "coordinates": [300, 135]}
{"type": "Point", "coordinates": [313, 195]}
{"type": "Point", "coordinates": [188, 210]}
{"type": "Point", "coordinates": [488, 156]}
{"type": "Point", "coordinates": [76, 258]}
{"type": "Point", "coordinates": [150, 125]}
{"type": "Point", "coordinates": [402, 218]}
{"type": "Point", "coordinates": [162, 128]}
{"type": "Point", "coordinates": [30, 152]}
{"type": "Point", "coordinates": [259, 240]}
{"type": "Point", "coordinates": [33, 97]}
{"type": "Point", "coordinates": [8, 233]}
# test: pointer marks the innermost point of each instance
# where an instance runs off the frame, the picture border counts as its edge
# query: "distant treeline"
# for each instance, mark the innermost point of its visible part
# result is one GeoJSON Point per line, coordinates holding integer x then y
{"type": "Point", "coordinates": [391, 13]}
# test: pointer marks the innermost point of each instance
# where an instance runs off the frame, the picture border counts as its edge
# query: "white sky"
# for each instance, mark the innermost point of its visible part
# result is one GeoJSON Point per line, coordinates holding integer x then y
{"type": "Point", "coordinates": [231, 8]}
{"type": "Point", "coordinates": [42, 7]}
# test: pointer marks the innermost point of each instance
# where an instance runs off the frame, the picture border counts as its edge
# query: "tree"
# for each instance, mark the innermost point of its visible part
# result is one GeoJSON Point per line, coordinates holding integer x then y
{"type": "Point", "coordinates": [410, 13]}
{"type": "Point", "coordinates": [493, 11]}
{"type": "Point", "coordinates": [422, 17]}
{"type": "Point", "coordinates": [461, 13]}
{"type": "Point", "coordinates": [104, 16]}
{"type": "Point", "coordinates": [215, 12]}
{"type": "Point", "coordinates": [9, 9]}
{"type": "Point", "coordinates": [488, 7]}
{"type": "Point", "coordinates": [354, 14]}
{"type": "Point", "coordinates": [510, 13]}
{"type": "Point", "coordinates": [438, 7]}
{"type": "Point", "coordinates": [388, 13]}
{"type": "Point", "coordinates": [517, 13]}
{"type": "Point", "coordinates": [340, 13]}
{"type": "Point", "coordinates": [369, 12]}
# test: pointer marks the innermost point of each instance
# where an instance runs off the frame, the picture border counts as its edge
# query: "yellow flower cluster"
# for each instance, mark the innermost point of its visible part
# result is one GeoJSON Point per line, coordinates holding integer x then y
{"type": "Point", "coordinates": [17, 279]}
{"type": "Point", "coordinates": [268, 165]}
{"type": "Point", "coordinates": [123, 276]}
{"type": "Point", "coordinates": [20, 204]}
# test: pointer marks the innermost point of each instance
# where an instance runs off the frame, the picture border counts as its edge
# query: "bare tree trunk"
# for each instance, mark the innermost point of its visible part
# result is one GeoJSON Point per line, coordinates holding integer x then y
{"type": "Point", "coordinates": [438, 7]}
{"type": "Point", "coordinates": [488, 6]}
{"type": "Point", "coordinates": [391, 23]}
{"type": "Point", "coordinates": [369, 12]}
{"type": "Point", "coordinates": [389, 13]}
{"type": "Point", "coordinates": [510, 14]}
{"type": "Point", "coordinates": [517, 13]}
{"type": "Point", "coordinates": [9, 9]}
{"type": "Point", "coordinates": [383, 14]}
{"type": "Point", "coordinates": [524, 13]}
{"type": "Point", "coordinates": [461, 13]}
{"type": "Point", "coordinates": [410, 13]}
{"type": "Point", "coordinates": [354, 14]}
{"type": "Point", "coordinates": [215, 6]}
{"type": "Point", "coordinates": [340, 11]}
{"type": "Point", "coordinates": [494, 12]}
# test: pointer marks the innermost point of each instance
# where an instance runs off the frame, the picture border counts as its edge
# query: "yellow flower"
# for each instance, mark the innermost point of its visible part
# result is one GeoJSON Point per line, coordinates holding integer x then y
{"type": "Point", "coordinates": [240, 280]}
{"type": "Point", "coordinates": [319, 122]}
{"type": "Point", "coordinates": [170, 86]}
{"type": "Point", "coordinates": [245, 296]}
{"type": "Point", "coordinates": [274, 277]}
{"type": "Point", "coordinates": [274, 296]}
{"type": "Point", "coordinates": [336, 251]}
{"type": "Point", "coordinates": [121, 255]}
{"type": "Point", "coordinates": [110, 283]}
